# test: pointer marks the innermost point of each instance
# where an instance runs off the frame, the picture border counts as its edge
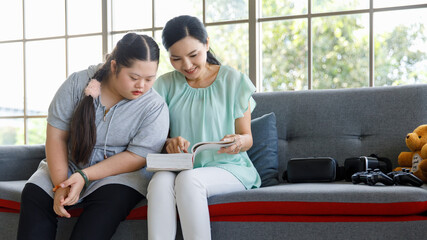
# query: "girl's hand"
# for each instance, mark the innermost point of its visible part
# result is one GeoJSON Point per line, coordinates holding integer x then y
{"type": "Point", "coordinates": [234, 148]}
{"type": "Point", "coordinates": [75, 183]}
{"type": "Point", "coordinates": [60, 195]}
{"type": "Point", "coordinates": [177, 145]}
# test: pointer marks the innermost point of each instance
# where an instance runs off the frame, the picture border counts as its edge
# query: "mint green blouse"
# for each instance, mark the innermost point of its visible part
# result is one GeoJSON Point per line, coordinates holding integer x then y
{"type": "Point", "coordinates": [208, 114]}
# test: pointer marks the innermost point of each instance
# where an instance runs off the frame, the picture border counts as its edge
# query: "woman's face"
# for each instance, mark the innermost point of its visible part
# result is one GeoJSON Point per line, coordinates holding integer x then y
{"type": "Point", "coordinates": [188, 56]}
{"type": "Point", "coordinates": [132, 82]}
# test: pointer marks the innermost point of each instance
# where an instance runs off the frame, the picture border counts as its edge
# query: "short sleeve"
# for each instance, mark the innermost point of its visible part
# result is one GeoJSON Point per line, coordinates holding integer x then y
{"type": "Point", "coordinates": [152, 133]}
{"type": "Point", "coordinates": [243, 96]}
{"type": "Point", "coordinates": [160, 85]}
{"type": "Point", "coordinates": [63, 103]}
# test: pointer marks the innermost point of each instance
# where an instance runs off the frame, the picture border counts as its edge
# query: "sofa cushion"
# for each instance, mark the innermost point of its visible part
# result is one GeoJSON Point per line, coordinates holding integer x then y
{"type": "Point", "coordinates": [339, 198]}
{"type": "Point", "coordinates": [10, 195]}
{"type": "Point", "coordinates": [264, 149]}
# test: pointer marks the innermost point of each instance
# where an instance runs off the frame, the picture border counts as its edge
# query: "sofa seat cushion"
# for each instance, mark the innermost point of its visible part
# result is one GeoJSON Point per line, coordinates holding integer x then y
{"type": "Point", "coordinates": [339, 198]}
{"type": "Point", "coordinates": [10, 198]}
{"type": "Point", "coordinates": [288, 202]}
{"type": "Point", "coordinates": [10, 195]}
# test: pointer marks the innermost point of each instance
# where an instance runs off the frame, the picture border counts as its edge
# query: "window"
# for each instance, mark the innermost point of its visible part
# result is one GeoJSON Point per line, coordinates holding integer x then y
{"type": "Point", "coordinates": [281, 44]}
{"type": "Point", "coordinates": [327, 44]}
{"type": "Point", "coordinates": [40, 46]}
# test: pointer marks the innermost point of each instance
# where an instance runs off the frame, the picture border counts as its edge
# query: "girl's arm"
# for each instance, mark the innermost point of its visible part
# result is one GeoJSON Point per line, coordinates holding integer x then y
{"type": "Point", "coordinates": [57, 154]}
{"type": "Point", "coordinates": [243, 135]}
{"type": "Point", "coordinates": [120, 163]}
{"type": "Point", "coordinates": [57, 160]}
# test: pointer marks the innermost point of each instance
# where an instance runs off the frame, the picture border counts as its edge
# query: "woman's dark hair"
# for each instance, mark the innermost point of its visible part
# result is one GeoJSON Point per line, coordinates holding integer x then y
{"type": "Point", "coordinates": [182, 26]}
{"type": "Point", "coordinates": [83, 129]}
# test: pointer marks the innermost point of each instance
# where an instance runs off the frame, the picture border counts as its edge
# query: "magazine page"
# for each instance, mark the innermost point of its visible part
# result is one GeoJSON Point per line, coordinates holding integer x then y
{"type": "Point", "coordinates": [198, 147]}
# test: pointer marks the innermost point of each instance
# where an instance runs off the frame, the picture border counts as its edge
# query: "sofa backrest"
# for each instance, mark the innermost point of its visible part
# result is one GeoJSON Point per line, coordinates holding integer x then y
{"type": "Point", "coordinates": [20, 162]}
{"type": "Point", "coordinates": [346, 122]}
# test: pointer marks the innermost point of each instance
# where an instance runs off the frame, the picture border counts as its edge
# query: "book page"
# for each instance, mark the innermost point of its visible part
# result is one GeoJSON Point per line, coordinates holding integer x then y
{"type": "Point", "coordinates": [198, 147]}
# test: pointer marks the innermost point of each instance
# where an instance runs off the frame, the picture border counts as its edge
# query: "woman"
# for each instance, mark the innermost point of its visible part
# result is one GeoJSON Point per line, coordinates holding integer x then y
{"type": "Point", "coordinates": [102, 123]}
{"type": "Point", "coordinates": [207, 102]}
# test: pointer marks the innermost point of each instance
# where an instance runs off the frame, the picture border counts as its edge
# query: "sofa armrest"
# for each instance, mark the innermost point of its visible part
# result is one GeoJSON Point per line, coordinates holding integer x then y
{"type": "Point", "coordinates": [20, 162]}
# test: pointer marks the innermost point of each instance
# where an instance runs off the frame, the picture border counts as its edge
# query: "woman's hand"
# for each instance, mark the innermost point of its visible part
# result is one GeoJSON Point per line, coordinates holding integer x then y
{"type": "Point", "coordinates": [58, 207]}
{"type": "Point", "coordinates": [75, 184]}
{"type": "Point", "coordinates": [236, 147]}
{"type": "Point", "coordinates": [177, 145]}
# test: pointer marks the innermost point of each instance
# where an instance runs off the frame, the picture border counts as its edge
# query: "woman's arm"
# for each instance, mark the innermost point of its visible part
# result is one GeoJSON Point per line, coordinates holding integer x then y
{"type": "Point", "coordinates": [242, 136]}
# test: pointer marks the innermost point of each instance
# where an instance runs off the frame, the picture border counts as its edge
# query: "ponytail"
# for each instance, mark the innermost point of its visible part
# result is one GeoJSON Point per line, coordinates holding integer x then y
{"type": "Point", "coordinates": [83, 128]}
{"type": "Point", "coordinates": [211, 58]}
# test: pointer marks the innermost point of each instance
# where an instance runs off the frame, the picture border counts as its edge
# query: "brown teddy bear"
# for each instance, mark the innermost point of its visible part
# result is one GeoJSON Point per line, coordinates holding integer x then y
{"type": "Point", "coordinates": [416, 160]}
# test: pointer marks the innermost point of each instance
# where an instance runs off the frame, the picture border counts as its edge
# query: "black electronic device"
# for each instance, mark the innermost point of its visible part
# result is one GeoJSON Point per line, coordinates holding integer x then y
{"type": "Point", "coordinates": [363, 163]}
{"type": "Point", "coordinates": [405, 177]}
{"type": "Point", "coordinates": [311, 169]}
{"type": "Point", "coordinates": [371, 177]}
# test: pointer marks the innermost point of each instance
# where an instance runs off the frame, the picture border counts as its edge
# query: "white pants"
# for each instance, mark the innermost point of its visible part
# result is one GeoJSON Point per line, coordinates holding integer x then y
{"type": "Point", "coordinates": [186, 191]}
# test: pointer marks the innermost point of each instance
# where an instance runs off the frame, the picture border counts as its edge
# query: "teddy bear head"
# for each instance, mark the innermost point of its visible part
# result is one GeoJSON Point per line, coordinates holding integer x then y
{"type": "Point", "coordinates": [417, 139]}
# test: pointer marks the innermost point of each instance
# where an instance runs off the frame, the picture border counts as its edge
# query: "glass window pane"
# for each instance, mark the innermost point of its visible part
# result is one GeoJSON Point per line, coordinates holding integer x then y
{"type": "Point", "coordinates": [338, 5]}
{"type": "Point", "coordinates": [166, 10]}
{"type": "Point", "coordinates": [394, 3]}
{"type": "Point", "coordinates": [230, 45]}
{"type": "Point", "coordinates": [36, 130]}
{"type": "Point", "coordinates": [164, 65]}
{"type": "Point", "coordinates": [44, 18]}
{"type": "Point", "coordinates": [11, 131]}
{"type": "Point", "coordinates": [11, 20]}
{"type": "Point", "coordinates": [84, 16]}
{"type": "Point", "coordinates": [45, 63]}
{"type": "Point", "coordinates": [284, 55]}
{"type": "Point", "coordinates": [341, 51]}
{"type": "Point", "coordinates": [131, 14]}
{"type": "Point", "coordinates": [225, 10]}
{"type": "Point", "coordinates": [274, 8]}
{"type": "Point", "coordinates": [83, 52]}
{"type": "Point", "coordinates": [400, 47]}
{"type": "Point", "coordinates": [12, 80]}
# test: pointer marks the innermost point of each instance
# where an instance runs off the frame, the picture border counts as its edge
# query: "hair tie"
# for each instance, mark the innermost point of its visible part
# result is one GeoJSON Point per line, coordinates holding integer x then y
{"type": "Point", "coordinates": [93, 88]}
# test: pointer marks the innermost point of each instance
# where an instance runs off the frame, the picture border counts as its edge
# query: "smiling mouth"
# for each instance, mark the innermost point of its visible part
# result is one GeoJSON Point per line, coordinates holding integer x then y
{"type": "Point", "coordinates": [191, 70]}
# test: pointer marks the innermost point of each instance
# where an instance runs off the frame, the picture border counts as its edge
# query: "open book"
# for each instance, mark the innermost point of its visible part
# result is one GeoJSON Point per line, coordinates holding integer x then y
{"type": "Point", "coordinates": [181, 161]}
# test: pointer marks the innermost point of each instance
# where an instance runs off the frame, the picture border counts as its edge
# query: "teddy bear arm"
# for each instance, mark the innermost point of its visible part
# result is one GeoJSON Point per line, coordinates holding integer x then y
{"type": "Point", "coordinates": [405, 159]}
{"type": "Point", "coordinates": [424, 151]}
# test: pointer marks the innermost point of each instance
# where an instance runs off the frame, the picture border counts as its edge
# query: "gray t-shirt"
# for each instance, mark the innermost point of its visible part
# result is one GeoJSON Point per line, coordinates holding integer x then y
{"type": "Point", "coordinates": [139, 126]}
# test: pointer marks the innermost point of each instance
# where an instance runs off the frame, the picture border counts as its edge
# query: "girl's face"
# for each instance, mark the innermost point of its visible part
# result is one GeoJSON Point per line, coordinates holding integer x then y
{"type": "Point", "coordinates": [188, 56]}
{"type": "Point", "coordinates": [132, 82]}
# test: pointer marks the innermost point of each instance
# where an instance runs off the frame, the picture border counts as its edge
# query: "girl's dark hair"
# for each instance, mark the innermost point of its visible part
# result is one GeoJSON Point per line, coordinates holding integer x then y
{"type": "Point", "coordinates": [182, 26]}
{"type": "Point", "coordinates": [83, 129]}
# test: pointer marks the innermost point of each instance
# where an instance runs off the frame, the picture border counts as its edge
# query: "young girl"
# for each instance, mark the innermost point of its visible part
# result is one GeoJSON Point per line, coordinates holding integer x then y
{"type": "Point", "coordinates": [102, 123]}
{"type": "Point", "coordinates": [207, 102]}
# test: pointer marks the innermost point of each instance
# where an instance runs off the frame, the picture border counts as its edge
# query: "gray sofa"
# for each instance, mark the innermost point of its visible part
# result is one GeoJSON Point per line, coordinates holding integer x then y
{"type": "Point", "coordinates": [333, 123]}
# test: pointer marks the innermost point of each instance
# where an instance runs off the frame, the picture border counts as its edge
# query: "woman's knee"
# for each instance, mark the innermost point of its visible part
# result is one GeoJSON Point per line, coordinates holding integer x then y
{"type": "Point", "coordinates": [162, 182]}
{"type": "Point", "coordinates": [188, 182]}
